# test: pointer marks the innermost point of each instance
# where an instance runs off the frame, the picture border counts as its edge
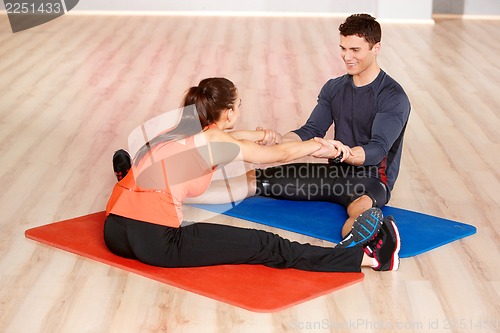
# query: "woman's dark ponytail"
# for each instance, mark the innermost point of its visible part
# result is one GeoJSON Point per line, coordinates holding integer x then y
{"type": "Point", "coordinates": [202, 106]}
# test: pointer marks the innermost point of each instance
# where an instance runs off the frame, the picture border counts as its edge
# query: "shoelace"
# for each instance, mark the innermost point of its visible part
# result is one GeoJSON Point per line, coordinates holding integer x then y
{"type": "Point", "coordinates": [374, 243]}
{"type": "Point", "coordinates": [119, 175]}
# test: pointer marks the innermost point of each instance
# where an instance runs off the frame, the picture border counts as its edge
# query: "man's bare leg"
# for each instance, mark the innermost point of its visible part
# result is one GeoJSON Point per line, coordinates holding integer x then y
{"type": "Point", "coordinates": [356, 208]}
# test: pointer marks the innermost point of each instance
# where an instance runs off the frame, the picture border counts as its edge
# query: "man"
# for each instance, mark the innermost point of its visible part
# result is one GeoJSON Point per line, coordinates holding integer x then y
{"type": "Point", "coordinates": [369, 111]}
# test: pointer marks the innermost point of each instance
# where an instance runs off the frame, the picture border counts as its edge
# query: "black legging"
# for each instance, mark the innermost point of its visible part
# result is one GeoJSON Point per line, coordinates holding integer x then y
{"type": "Point", "coordinates": [205, 244]}
{"type": "Point", "coordinates": [335, 183]}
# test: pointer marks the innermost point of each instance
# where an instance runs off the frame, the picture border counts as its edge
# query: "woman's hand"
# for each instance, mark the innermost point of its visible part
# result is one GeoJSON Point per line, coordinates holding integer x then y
{"type": "Point", "coordinates": [332, 149]}
{"type": "Point", "coordinates": [270, 137]}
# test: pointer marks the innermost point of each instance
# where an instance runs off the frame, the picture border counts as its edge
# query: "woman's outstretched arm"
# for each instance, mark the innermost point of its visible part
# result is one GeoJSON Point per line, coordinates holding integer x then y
{"type": "Point", "coordinates": [224, 145]}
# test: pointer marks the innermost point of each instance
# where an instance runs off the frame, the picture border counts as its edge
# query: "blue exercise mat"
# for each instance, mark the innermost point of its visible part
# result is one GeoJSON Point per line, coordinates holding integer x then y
{"type": "Point", "coordinates": [419, 232]}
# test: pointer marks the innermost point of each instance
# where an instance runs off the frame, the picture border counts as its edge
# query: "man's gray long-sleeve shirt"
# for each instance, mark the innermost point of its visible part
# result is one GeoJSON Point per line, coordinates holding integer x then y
{"type": "Point", "coordinates": [373, 116]}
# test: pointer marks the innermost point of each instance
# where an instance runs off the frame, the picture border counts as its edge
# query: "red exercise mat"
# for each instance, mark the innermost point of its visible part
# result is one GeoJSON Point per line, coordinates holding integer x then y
{"type": "Point", "coordinates": [252, 287]}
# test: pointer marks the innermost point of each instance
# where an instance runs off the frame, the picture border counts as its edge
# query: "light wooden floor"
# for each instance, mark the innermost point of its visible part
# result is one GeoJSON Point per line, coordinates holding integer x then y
{"type": "Point", "coordinates": [73, 89]}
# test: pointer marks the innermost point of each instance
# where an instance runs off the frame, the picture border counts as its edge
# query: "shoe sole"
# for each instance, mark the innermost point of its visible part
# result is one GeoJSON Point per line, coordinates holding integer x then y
{"type": "Point", "coordinates": [363, 229]}
{"type": "Point", "coordinates": [121, 154]}
{"type": "Point", "coordinates": [395, 256]}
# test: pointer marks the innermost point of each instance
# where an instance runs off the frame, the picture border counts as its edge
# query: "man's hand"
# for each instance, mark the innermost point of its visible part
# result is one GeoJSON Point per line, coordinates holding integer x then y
{"type": "Point", "coordinates": [270, 137]}
{"type": "Point", "coordinates": [332, 149]}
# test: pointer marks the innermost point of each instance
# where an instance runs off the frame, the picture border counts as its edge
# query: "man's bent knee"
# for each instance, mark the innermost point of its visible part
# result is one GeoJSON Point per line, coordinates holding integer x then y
{"type": "Point", "coordinates": [360, 205]}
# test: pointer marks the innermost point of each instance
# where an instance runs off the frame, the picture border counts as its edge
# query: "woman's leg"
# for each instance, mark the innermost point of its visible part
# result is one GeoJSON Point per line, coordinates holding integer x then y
{"type": "Point", "coordinates": [205, 244]}
{"type": "Point", "coordinates": [227, 190]}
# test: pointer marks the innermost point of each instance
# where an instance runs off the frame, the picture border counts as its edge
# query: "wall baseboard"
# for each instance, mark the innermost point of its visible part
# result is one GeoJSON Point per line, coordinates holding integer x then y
{"type": "Point", "coordinates": [465, 17]}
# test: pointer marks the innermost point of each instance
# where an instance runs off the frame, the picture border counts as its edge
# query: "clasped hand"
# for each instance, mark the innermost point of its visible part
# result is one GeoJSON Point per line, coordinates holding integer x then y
{"type": "Point", "coordinates": [329, 149]}
{"type": "Point", "coordinates": [332, 149]}
{"type": "Point", "coordinates": [270, 137]}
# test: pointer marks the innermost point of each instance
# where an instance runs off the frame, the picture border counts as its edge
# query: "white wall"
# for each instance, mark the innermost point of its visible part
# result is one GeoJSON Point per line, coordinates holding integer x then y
{"type": "Point", "coordinates": [467, 7]}
{"type": "Point", "coordinates": [482, 7]}
{"type": "Point", "coordinates": [308, 6]}
{"type": "Point", "coordinates": [382, 9]}
{"type": "Point", "coordinates": [414, 10]}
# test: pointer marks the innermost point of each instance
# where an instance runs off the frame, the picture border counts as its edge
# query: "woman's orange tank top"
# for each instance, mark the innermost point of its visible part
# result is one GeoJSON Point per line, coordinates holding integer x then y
{"type": "Point", "coordinates": [154, 189]}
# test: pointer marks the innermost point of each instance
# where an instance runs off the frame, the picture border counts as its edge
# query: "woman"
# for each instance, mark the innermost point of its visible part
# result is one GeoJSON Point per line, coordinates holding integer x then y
{"type": "Point", "coordinates": [144, 218]}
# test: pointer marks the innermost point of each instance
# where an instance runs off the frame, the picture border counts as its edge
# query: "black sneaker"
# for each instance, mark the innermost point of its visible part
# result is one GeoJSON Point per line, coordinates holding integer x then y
{"type": "Point", "coordinates": [365, 227]}
{"type": "Point", "coordinates": [122, 162]}
{"type": "Point", "coordinates": [385, 246]}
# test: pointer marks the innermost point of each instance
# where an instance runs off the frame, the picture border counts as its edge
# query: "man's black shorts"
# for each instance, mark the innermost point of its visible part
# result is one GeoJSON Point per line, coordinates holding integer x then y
{"type": "Point", "coordinates": [340, 184]}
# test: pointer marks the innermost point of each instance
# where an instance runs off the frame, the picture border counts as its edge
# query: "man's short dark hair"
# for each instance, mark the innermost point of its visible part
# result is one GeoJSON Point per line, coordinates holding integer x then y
{"type": "Point", "coordinates": [362, 25]}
